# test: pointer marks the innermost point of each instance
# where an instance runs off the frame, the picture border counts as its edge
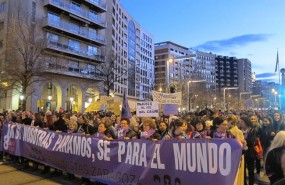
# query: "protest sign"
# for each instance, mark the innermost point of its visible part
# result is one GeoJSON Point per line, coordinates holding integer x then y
{"type": "Point", "coordinates": [167, 98]}
{"type": "Point", "coordinates": [147, 109]}
{"type": "Point", "coordinates": [199, 161]}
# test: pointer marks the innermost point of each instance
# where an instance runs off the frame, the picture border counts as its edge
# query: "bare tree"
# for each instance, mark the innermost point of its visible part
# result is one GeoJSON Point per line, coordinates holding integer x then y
{"type": "Point", "coordinates": [112, 72]}
{"type": "Point", "coordinates": [24, 61]}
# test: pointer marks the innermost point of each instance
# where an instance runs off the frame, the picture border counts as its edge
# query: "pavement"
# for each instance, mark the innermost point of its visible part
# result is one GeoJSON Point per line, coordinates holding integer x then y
{"type": "Point", "coordinates": [11, 173]}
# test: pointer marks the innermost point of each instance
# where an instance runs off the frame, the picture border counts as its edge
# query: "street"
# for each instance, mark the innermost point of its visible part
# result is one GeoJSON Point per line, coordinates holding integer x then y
{"type": "Point", "coordinates": [10, 174]}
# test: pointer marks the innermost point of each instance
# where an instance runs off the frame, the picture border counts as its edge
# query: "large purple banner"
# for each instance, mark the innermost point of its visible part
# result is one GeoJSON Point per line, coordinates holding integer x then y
{"type": "Point", "coordinates": [194, 161]}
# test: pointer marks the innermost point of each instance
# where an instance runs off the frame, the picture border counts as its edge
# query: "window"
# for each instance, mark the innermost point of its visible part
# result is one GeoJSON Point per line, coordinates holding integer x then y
{"type": "Point", "coordinates": [93, 15]}
{"type": "Point", "coordinates": [91, 69]}
{"type": "Point", "coordinates": [92, 33]}
{"type": "Point", "coordinates": [73, 66]}
{"type": "Point", "coordinates": [74, 45]}
{"type": "Point", "coordinates": [52, 37]}
{"type": "Point", "coordinates": [55, 19]}
{"type": "Point", "coordinates": [92, 50]}
{"type": "Point", "coordinates": [74, 27]}
{"type": "Point", "coordinates": [33, 11]}
{"type": "Point", "coordinates": [3, 7]}
{"type": "Point", "coordinates": [75, 6]}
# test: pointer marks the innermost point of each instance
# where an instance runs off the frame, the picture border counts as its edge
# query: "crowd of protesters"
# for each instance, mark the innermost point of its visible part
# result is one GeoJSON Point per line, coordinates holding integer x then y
{"type": "Point", "coordinates": [245, 126]}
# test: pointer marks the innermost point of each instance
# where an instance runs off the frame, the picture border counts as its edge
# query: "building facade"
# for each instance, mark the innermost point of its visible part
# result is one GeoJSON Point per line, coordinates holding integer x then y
{"type": "Point", "coordinates": [169, 66]}
{"type": "Point", "coordinates": [135, 49]}
{"type": "Point", "coordinates": [244, 75]}
{"type": "Point", "coordinates": [80, 36]}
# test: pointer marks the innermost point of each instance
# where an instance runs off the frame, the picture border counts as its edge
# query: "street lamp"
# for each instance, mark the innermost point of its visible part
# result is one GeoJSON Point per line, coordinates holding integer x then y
{"type": "Point", "coordinates": [227, 88]}
{"type": "Point", "coordinates": [275, 94]}
{"type": "Point", "coordinates": [71, 101]}
{"type": "Point", "coordinates": [22, 97]}
{"type": "Point", "coordinates": [89, 100]}
{"type": "Point", "coordinates": [49, 103]}
{"type": "Point", "coordinates": [21, 101]}
{"type": "Point", "coordinates": [242, 93]}
{"type": "Point", "coordinates": [170, 60]}
{"type": "Point", "coordinates": [189, 99]}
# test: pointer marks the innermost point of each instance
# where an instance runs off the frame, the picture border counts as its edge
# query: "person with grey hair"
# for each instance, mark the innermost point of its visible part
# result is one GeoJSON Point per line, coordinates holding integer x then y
{"type": "Point", "coordinates": [282, 181]}
{"type": "Point", "coordinates": [273, 166]}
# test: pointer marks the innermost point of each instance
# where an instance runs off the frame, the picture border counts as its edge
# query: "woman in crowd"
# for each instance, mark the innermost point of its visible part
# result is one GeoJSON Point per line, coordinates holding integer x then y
{"type": "Point", "coordinates": [179, 129]}
{"type": "Point", "coordinates": [199, 130]}
{"type": "Point", "coordinates": [267, 133]}
{"type": "Point", "coordinates": [38, 120]}
{"type": "Point", "coordinates": [136, 128]}
{"type": "Point", "coordinates": [273, 166]}
{"type": "Point", "coordinates": [163, 131]}
{"type": "Point", "coordinates": [235, 131]}
{"type": "Point", "coordinates": [72, 126]}
{"type": "Point", "coordinates": [84, 126]}
{"type": "Point", "coordinates": [251, 137]}
{"type": "Point", "coordinates": [127, 132]}
{"type": "Point", "coordinates": [257, 126]}
{"type": "Point", "coordinates": [59, 124]}
{"type": "Point", "coordinates": [103, 133]}
{"type": "Point", "coordinates": [149, 130]}
{"type": "Point", "coordinates": [278, 123]}
{"type": "Point", "coordinates": [220, 128]}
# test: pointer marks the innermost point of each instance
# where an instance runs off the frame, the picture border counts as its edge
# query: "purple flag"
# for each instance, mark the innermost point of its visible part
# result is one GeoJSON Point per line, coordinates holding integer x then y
{"type": "Point", "coordinates": [126, 113]}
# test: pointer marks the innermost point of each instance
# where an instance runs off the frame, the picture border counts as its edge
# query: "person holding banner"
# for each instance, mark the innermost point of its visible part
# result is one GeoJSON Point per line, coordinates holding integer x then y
{"type": "Point", "coordinates": [103, 133]}
{"type": "Point", "coordinates": [220, 128]}
{"type": "Point", "coordinates": [179, 131]}
{"type": "Point", "coordinates": [163, 131]}
{"type": "Point", "coordinates": [149, 130]}
{"type": "Point", "coordinates": [199, 130]}
{"type": "Point", "coordinates": [84, 126]}
{"type": "Point", "coordinates": [111, 131]}
{"type": "Point", "coordinates": [127, 132]}
{"type": "Point", "coordinates": [59, 124]}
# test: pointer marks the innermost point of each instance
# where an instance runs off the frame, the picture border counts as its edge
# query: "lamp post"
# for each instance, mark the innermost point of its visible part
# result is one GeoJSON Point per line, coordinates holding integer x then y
{"type": "Point", "coordinates": [170, 60]}
{"type": "Point", "coordinates": [89, 100]}
{"type": "Point", "coordinates": [189, 99]}
{"type": "Point", "coordinates": [49, 102]}
{"type": "Point", "coordinates": [21, 101]}
{"type": "Point", "coordinates": [71, 102]}
{"type": "Point", "coordinates": [279, 102]}
{"type": "Point", "coordinates": [275, 102]}
{"type": "Point", "coordinates": [227, 88]}
{"type": "Point", "coordinates": [242, 93]}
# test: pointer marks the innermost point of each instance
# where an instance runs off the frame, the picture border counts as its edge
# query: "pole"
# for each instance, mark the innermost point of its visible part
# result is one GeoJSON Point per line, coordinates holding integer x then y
{"type": "Point", "coordinates": [188, 98]}
{"type": "Point", "coordinates": [225, 99]}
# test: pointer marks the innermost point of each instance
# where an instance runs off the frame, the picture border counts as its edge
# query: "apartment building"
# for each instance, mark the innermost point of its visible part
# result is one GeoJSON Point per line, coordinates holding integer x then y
{"type": "Point", "coordinates": [81, 35]}
{"type": "Point", "coordinates": [135, 50]}
{"type": "Point", "coordinates": [226, 72]}
{"type": "Point", "coordinates": [75, 35]}
{"type": "Point", "coordinates": [244, 75]}
{"type": "Point", "coordinates": [172, 62]}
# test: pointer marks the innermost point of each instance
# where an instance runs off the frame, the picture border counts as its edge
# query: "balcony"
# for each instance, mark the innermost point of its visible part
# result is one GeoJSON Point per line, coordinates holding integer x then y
{"type": "Point", "coordinates": [80, 73]}
{"type": "Point", "coordinates": [99, 5]}
{"type": "Point", "coordinates": [74, 52]}
{"type": "Point", "coordinates": [74, 31]}
{"type": "Point", "coordinates": [79, 14]}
